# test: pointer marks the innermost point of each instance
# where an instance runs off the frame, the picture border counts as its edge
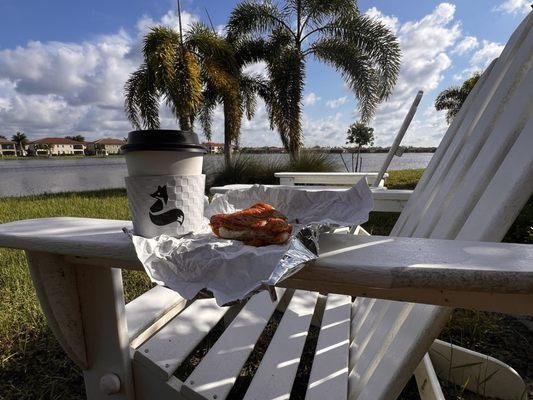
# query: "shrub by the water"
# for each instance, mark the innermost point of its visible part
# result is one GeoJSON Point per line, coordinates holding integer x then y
{"type": "Point", "coordinates": [249, 169]}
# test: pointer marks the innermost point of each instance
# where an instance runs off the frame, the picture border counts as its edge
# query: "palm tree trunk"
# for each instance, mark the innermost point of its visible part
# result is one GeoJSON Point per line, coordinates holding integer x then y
{"type": "Point", "coordinates": [184, 123]}
{"type": "Point", "coordinates": [227, 133]}
{"type": "Point", "coordinates": [295, 125]}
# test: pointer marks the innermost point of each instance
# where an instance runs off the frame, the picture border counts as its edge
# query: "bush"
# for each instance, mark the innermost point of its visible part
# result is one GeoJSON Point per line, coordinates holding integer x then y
{"type": "Point", "coordinates": [249, 169]}
{"type": "Point", "coordinates": [312, 162]}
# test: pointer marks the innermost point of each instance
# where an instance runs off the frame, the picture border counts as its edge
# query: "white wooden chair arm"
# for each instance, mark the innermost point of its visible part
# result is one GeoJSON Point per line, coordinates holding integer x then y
{"type": "Point", "coordinates": [490, 276]}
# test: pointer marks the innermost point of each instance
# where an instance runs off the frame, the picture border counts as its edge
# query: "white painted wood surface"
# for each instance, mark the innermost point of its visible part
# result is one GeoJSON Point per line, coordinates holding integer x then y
{"type": "Point", "coordinates": [167, 349]}
{"type": "Point", "coordinates": [427, 381]}
{"type": "Point", "coordinates": [105, 331]}
{"type": "Point", "coordinates": [463, 146]}
{"type": "Point", "coordinates": [352, 265]}
{"type": "Point", "coordinates": [214, 377]}
{"type": "Point", "coordinates": [329, 373]}
{"type": "Point", "coordinates": [275, 375]}
{"type": "Point", "coordinates": [327, 178]}
{"type": "Point", "coordinates": [385, 200]}
{"type": "Point", "coordinates": [57, 290]}
{"type": "Point", "coordinates": [150, 311]}
{"type": "Point", "coordinates": [78, 237]}
{"type": "Point", "coordinates": [477, 372]}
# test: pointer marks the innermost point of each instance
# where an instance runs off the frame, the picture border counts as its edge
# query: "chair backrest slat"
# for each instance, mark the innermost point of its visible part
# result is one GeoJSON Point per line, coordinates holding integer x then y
{"type": "Point", "coordinates": [474, 187]}
{"type": "Point", "coordinates": [465, 124]}
{"type": "Point", "coordinates": [482, 154]}
{"type": "Point", "coordinates": [442, 150]}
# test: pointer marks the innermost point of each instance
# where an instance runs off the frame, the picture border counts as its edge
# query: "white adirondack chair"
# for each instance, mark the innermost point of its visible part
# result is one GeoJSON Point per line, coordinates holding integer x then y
{"type": "Point", "coordinates": [476, 184]}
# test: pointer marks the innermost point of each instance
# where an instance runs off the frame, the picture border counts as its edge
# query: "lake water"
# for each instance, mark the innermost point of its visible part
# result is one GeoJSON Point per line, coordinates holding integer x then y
{"type": "Point", "coordinates": [36, 176]}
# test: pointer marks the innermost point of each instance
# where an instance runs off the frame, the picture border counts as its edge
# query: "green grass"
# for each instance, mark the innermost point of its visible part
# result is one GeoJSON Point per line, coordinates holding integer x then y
{"type": "Point", "coordinates": [33, 366]}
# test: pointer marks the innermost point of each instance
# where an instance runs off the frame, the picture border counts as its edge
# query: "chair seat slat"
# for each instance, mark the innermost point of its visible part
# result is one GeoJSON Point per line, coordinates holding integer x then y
{"type": "Point", "coordinates": [275, 376]}
{"type": "Point", "coordinates": [329, 373]}
{"type": "Point", "coordinates": [214, 377]}
{"type": "Point", "coordinates": [150, 309]}
{"type": "Point", "coordinates": [168, 348]}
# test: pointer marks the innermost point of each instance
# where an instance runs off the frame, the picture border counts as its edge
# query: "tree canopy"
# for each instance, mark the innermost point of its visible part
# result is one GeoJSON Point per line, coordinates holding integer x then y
{"type": "Point", "coordinates": [77, 138]}
{"type": "Point", "coordinates": [361, 49]}
{"type": "Point", "coordinates": [360, 135]}
{"type": "Point", "coordinates": [452, 99]}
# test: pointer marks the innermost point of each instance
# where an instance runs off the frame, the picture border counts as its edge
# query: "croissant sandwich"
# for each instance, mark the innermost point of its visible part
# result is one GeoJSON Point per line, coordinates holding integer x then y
{"type": "Point", "coordinates": [259, 225]}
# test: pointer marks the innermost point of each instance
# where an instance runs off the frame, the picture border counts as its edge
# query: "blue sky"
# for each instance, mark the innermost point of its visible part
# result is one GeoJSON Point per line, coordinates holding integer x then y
{"type": "Point", "coordinates": [63, 65]}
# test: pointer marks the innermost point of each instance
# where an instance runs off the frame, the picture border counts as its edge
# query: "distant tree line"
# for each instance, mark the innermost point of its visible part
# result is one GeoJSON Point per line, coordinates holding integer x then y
{"type": "Point", "coordinates": [319, 149]}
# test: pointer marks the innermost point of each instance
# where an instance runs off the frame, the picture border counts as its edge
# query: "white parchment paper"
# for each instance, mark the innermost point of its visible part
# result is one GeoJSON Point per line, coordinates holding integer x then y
{"type": "Point", "coordinates": [232, 270]}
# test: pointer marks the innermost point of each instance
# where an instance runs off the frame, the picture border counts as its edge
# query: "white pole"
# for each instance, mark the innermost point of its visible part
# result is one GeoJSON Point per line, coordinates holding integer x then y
{"type": "Point", "coordinates": [399, 137]}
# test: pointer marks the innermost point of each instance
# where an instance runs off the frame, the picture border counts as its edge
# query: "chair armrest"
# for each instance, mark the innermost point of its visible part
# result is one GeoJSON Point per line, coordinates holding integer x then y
{"type": "Point", "coordinates": [490, 276]}
{"type": "Point", "coordinates": [480, 275]}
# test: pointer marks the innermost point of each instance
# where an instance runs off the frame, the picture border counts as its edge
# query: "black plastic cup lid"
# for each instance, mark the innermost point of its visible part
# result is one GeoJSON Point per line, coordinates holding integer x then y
{"type": "Point", "coordinates": [163, 140]}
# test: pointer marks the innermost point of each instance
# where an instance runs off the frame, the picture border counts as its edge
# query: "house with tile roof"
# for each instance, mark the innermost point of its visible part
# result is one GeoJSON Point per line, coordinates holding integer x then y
{"type": "Point", "coordinates": [105, 146]}
{"type": "Point", "coordinates": [56, 147]}
{"type": "Point", "coordinates": [7, 147]}
{"type": "Point", "coordinates": [214, 148]}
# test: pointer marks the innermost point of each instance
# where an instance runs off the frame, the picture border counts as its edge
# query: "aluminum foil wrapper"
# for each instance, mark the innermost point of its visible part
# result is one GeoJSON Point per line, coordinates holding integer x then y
{"type": "Point", "coordinates": [200, 264]}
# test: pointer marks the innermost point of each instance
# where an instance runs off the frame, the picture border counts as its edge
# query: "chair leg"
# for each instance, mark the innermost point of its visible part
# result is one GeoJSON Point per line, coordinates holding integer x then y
{"type": "Point", "coordinates": [427, 381]}
{"type": "Point", "coordinates": [84, 306]}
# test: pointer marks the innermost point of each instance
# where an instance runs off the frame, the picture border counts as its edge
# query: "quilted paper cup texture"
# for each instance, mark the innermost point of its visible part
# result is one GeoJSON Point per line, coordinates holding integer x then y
{"type": "Point", "coordinates": [168, 204]}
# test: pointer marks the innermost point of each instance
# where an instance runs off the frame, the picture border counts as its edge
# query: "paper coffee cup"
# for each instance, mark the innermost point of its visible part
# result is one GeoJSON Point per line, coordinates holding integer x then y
{"type": "Point", "coordinates": [165, 183]}
{"type": "Point", "coordinates": [169, 204]}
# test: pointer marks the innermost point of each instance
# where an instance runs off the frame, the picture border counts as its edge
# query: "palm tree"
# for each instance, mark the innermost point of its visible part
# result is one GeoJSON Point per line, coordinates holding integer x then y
{"type": "Point", "coordinates": [170, 71]}
{"type": "Point", "coordinates": [21, 140]}
{"type": "Point", "coordinates": [225, 82]}
{"type": "Point", "coordinates": [363, 50]}
{"type": "Point", "coordinates": [452, 99]}
{"type": "Point", "coordinates": [193, 73]}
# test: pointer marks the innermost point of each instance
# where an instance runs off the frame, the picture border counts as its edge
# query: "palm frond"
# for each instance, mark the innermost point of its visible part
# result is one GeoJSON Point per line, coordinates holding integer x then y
{"type": "Point", "coordinates": [355, 68]}
{"type": "Point", "coordinates": [287, 75]}
{"type": "Point", "coordinates": [184, 93]}
{"type": "Point", "coordinates": [372, 39]}
{"type": "Point", "coordinates": [451, 100]}
{"type": "Point", "coordinates": [318, 12]}
{"type": "Point", "coordinates": [250, 18]}
{"type": "Point", "coordinates": [210, 100]}
{"type": "Point", "coordinates": [161, 47]}
{"type": "Point", "coordinates": [142, 99]}
{"type": "Point", "coordinates": [250, 85]}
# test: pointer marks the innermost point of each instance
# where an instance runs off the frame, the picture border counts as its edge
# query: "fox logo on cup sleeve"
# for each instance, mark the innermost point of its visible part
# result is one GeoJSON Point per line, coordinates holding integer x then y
{"type": "Point", "coordinates": [157, 216]}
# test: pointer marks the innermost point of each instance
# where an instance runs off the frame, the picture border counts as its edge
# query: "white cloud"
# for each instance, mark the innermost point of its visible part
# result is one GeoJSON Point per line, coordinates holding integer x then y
{"type": "Point", "coordinates": [488, 52]}
{"type": "Point", "coordinates": [480, 59]}
{"type": "Point", "coordinates": [426, 45]}
{"type": "Point", "coordinates": [258, 68]}
{"type": "Point", "coordinates": [310, 99]}
{"type": "Point", "coordinates": [57, 88]}
{"type": "Point", "coordinates": [336, 103]}
{"type": "Point", "coordinates": [514, 7]}
{"type": "Point", "coordinates": [465, 45]}
{"type": "Point", "coordinates": [390, 22]}
{"type": "Point", "coordinates": [170, 19]}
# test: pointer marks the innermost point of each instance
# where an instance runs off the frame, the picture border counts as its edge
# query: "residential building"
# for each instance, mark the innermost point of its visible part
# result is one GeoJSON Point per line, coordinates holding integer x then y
{"type": "Point", "coordinates": [105, 146]}
{"type": "Point", "coordinates": [56, 147]}
{"type": "Point", "coordinates": [214, 148]}
{"type": "Point", "coordinates": [7, 148]}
